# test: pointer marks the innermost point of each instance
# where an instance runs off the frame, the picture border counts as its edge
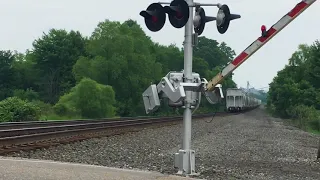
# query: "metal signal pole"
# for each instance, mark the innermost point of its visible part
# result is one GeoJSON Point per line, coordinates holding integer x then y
{"type": "Point", "coordinates": [183, 89]}
{"type": "Point", "coordinates": [188, 162]}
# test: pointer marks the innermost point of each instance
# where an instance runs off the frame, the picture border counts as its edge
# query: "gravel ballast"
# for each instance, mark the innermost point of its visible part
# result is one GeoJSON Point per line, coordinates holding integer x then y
{"type": "Point", "coordinates": [246, 146]}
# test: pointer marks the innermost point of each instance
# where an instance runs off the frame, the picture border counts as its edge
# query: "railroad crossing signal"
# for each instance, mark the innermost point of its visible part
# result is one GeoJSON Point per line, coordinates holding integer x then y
{"type": "Point", "coordinates": [222, 20]}
{"type": "Point", "coordinates": [200, 20]}
{"type": "Point", "coordinates": [183, 89]}
{"type": "Point", "coordinates": [178, 13]}
{"type": "Point", "coordinates": [224, 17]}
{"type": "Point", "coordinates": [154, 17]}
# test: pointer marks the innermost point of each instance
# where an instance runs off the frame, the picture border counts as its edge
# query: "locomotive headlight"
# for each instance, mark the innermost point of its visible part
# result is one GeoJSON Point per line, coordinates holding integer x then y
{"type": "Point", "coordinates": [220, 17]}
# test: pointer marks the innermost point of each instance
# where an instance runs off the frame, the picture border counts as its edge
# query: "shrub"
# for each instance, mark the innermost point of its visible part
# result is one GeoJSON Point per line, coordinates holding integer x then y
{"type": "Point", "coordinates": [315, 124]}
{"type": "Point", "coordinates": [14, 109]}
{"type": "Point", "coordinates": [304, 116]}
{"type": "Point", "coordinates": [27, 94]}
{"type": "Point", "coordinates": [66, 105]}
{"type": "Point", "coordinates": [44, 108]}
{"type": "Point", "coordinates": [89, 99]}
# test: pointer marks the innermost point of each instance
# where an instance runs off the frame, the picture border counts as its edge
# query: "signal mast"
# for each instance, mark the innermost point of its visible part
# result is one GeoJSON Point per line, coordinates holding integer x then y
{"type": "Point", "coordinates": [183, 89]}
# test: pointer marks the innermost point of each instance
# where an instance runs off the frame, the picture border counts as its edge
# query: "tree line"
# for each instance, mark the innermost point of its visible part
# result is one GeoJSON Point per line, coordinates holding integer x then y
{"type": "Point", "coordinates": [295, 92]}
{"type": "Point", "coordinates": [66, 75]}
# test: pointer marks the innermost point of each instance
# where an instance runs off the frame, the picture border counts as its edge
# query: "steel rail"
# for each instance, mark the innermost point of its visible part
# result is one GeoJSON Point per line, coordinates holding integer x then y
{"type": "Point", "coordinates": [10, 136]}
{"type": "Point", "coordinates": [26, 124]}
{"type": "Point", "coordinates": [64, 135]}
{"type": "Point", "coordinates": [12, 140]}
{"type": "Point", "coordinates": [83, 125]}
{"type": "Point", "coordinates": [32, 124]}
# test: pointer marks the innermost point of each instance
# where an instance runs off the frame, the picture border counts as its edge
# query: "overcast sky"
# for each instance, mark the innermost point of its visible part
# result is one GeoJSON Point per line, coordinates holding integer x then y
{"type": "Point", "coordinates": [25, 20]}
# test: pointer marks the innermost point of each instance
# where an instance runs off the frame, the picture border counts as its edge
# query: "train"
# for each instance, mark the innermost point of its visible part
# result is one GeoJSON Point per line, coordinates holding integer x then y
{"type": "Point", "coordinates": [238, 100]}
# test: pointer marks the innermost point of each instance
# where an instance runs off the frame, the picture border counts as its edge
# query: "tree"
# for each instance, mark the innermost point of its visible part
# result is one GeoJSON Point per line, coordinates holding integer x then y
{"type": "Point", "coordinates": [312, 65]}
{"type": "Point", "coordinates": [25, 73]}
{"type": "Point", "coordinates": [213, 53]}
{"type": "Point", "coordinates": [117, 55]}
{"type": "Point", "coordinates": [122, 57]}
{"type": "Point", "coordinates": [170, 57]}
{"type": "Point", "coordinates": [6, 74]}
{"type": "Point", "coordinates": [217, 56]}
{"type": "Point", "coordinates": [28, 94]}
{"type": "Point", "coordinates": [54, 55]}
{"type": "Point", "coordinates": [300, 56]}
{"type": "Point", "coordinates": [227, 51]}
{"type": "Point", "coordinates": [294, 92]}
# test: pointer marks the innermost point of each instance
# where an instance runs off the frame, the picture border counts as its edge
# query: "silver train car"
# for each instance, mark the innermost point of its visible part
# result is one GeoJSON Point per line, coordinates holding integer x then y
{"type": "Point", "coordinates": [237, 100]}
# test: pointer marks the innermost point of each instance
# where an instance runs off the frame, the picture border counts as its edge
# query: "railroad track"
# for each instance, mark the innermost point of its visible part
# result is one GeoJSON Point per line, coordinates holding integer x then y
{"type": "Point", "coordinates": [30, 135]}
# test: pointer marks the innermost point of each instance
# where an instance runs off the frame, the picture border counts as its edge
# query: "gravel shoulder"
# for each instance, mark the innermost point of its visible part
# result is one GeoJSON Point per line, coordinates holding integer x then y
{"type": "Point", "coordinates": [252, 145]}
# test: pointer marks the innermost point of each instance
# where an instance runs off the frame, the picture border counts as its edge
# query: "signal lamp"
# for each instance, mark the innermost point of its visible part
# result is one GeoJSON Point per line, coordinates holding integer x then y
{"type": "Point", "coordinates": [178, 13]}
{"type": "Point", "coordinates": [264, 31]}
{"type": "Point", "coordinates": [224, 17]}
{"type": "Point", "coordinates": [154, 17]}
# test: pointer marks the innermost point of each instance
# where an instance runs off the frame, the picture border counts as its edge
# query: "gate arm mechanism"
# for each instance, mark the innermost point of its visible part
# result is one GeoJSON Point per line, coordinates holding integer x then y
{"type": "Point", "coordinates": [257, 44]}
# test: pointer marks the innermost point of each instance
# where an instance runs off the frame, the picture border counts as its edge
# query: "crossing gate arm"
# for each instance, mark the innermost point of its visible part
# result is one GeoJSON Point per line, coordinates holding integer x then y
{"type": "Point", "coordinates": [257, 44]}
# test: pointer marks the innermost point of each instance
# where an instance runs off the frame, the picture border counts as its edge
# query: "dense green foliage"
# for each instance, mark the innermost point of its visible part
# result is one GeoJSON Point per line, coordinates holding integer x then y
{"type": "Point", "coordinates": [14, 109]}
{"type": "Point", "coordinates": [295, 91]}
{"type": "Point", "coordinates": [67, 75]}
{"type": "Point", "coordinates": [88, 99]}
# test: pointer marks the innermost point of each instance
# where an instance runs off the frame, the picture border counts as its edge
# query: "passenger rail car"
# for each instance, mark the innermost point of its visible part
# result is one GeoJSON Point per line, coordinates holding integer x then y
{"type": "Point", "coordinates": [237, 100]}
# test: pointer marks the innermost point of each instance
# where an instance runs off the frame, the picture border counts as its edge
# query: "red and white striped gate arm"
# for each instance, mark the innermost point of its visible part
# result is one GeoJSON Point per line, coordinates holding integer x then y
{"type": "Point", "coordinates": [256, 45]}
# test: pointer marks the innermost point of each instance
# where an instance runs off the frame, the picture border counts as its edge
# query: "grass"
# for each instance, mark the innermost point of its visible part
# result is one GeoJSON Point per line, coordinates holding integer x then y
{"type": "Point", "coordinates": [295, 123]}
{"type": "Point", "coordinates": [313, 131]}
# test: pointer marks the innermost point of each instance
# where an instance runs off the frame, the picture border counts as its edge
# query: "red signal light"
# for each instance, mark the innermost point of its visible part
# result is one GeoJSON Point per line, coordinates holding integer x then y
{"type": "Point", "coordinates": [179, 15]}
{"type": "Point", "coordinates": [264, 31]}
{"type": "Point", "coordinates": [154, 19]}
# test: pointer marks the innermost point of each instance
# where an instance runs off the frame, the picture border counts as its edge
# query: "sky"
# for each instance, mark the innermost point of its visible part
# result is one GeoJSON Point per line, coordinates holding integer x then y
{"type": "Point", "coordinates": [23, 21]}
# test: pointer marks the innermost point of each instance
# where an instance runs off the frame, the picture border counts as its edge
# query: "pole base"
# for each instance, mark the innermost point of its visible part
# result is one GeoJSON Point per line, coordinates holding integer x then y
{"type": "Point", "coordinates": [185, 162]}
